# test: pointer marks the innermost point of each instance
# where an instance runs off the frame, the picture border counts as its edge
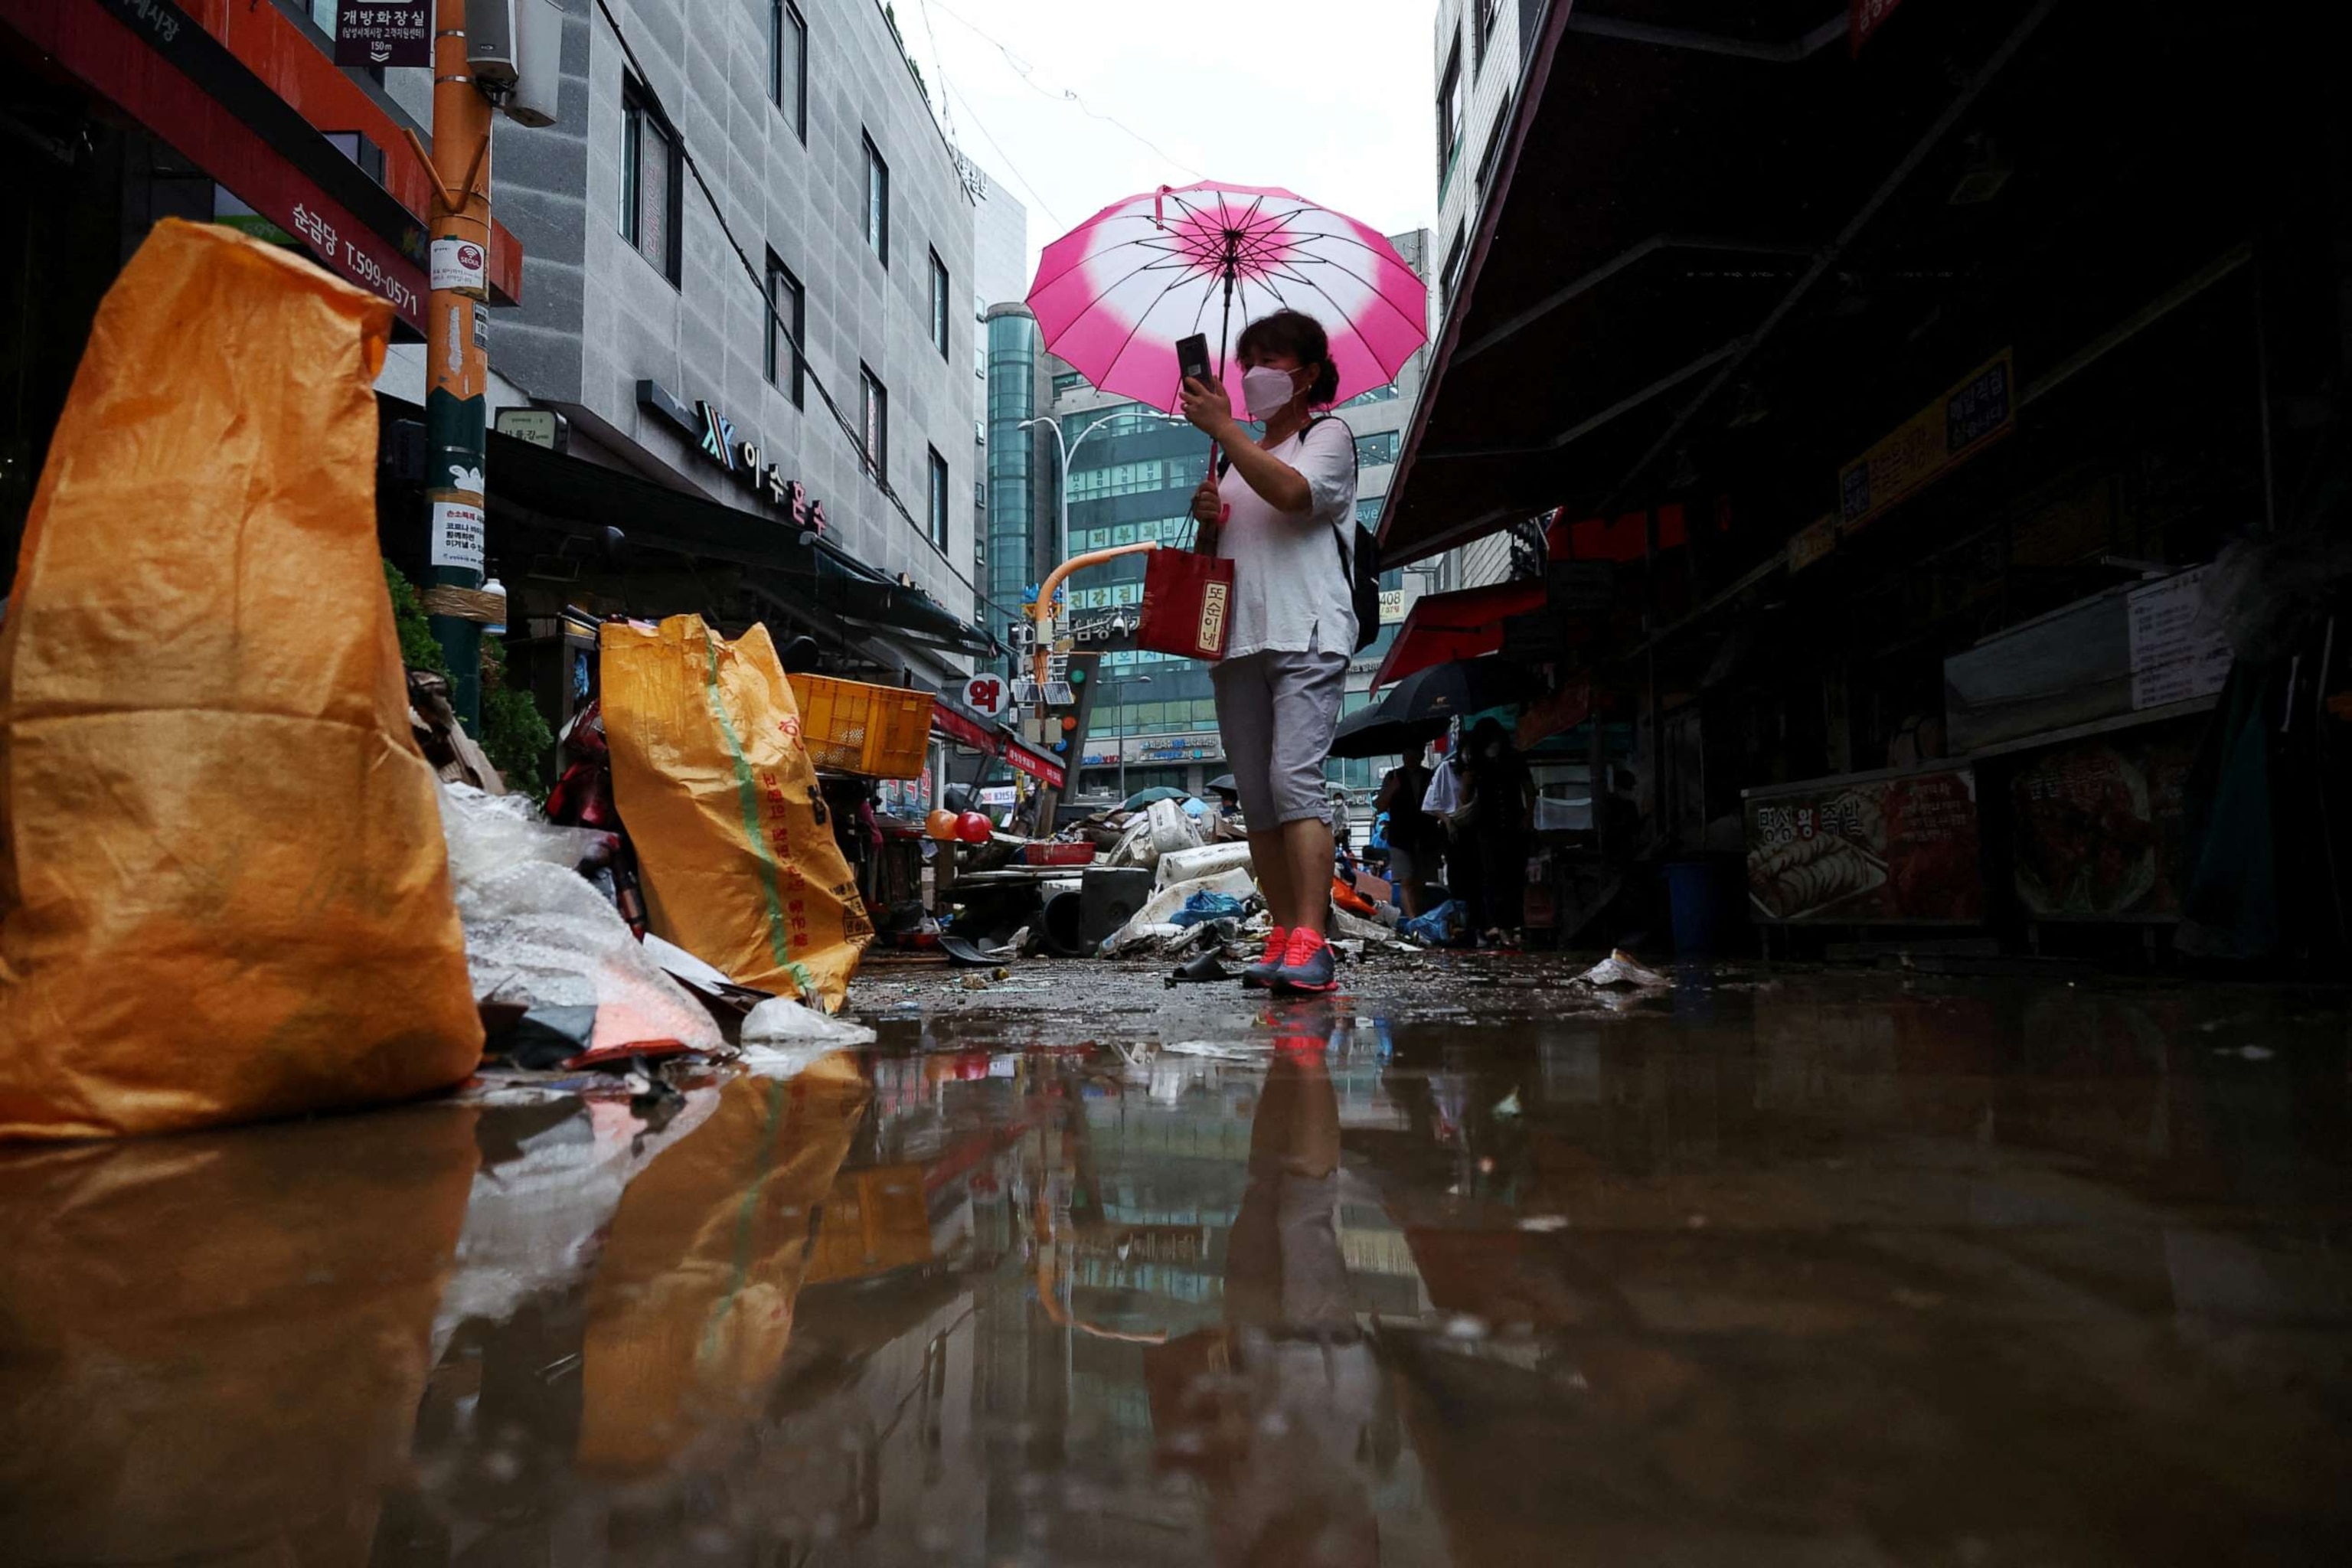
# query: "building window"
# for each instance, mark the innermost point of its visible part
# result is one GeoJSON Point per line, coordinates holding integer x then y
{"type": "Point", "coordinates": [1387, 394]}
{"type": "Point", "coordinates": [788, 64]}
{"type": "Point", "coordinates": [1068, 381]}
{"type": "Point", "coordinates": [649, 180]}
{"type": "Point", "coordinates": [1483, 30]}
{"type": "Point", "coordinates": [938, 304]}
{"type": "Point", "coordinates": [1496, 134]}
{"type": "Point", "coordinates": [1376, 449]}
{"type": "Point", "coordinates": [789, 315]}
{"type": "Point", "coordinates": [939, 501]}
{"type": "Point", "coordinates": [1449, 117]}
{"type": "Point", "coordinates": [1451, 278]}
{"type": "Point", "coordinates": [877, 202]}
{"type": "Point", "coordinates": [874, 421]}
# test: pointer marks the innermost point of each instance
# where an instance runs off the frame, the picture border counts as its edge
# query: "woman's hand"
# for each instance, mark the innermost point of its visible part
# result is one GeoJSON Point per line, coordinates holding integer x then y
{"type": "Point", "coordinates": [1208, 408]}
{"type": "Point", "coordinates": [1208, 506]}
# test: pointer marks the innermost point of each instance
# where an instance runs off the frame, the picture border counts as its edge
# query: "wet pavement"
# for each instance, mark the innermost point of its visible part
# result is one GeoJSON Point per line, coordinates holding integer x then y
{"type": "Point", "coordinates": [1468, 1265]}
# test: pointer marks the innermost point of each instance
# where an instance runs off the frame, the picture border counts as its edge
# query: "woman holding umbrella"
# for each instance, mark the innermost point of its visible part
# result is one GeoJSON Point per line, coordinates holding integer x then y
{"type": "Point", "coordinates": [1283, 498]}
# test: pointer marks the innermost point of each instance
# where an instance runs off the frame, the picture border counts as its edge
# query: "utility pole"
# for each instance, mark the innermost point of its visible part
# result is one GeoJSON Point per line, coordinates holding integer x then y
{"type": "Point", "coordinates": [458, 358]}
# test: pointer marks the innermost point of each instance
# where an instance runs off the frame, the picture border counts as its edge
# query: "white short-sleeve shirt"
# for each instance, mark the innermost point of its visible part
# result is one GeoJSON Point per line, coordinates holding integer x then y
{"type": "Point", "coordinates": [1291, 576]}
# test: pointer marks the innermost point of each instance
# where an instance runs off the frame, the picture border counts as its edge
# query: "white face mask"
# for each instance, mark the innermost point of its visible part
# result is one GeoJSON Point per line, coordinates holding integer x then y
{"type": "Point", "coordinates": [1266, 390]}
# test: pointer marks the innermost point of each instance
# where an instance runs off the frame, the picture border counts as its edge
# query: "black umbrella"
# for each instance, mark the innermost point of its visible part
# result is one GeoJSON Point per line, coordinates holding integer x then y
{"type": "Point", "coordinates": [1370, 733]}
{"type": "Point", "coordinates": [1223, 784]}
{"type": "Point", "coordinates": [1462, 688]}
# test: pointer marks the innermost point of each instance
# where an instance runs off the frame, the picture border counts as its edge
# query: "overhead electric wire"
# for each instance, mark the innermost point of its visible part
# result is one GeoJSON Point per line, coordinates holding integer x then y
{"type": "Point", "coordinates": [1012, 168]}
{"type": "Point", "coordinates": [1021, 68]}
{"type": "Point", "coordinates": [783, 329]}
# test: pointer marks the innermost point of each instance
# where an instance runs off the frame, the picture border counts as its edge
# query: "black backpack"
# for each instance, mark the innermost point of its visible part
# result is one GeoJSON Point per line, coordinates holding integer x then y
{"type": "Point", "coordinates": [1361, 564]}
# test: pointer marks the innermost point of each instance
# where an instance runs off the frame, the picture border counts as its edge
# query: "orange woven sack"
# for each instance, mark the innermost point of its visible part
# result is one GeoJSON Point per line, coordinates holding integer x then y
{"type": "Point", "coordinates": [222, 889]}
{"type": "Point", "coordinates": [720, 799]}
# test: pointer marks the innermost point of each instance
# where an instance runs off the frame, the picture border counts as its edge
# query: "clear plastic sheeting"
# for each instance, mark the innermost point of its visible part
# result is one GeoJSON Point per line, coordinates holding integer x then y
{"type": "Point", "coordinates": [538, 935]}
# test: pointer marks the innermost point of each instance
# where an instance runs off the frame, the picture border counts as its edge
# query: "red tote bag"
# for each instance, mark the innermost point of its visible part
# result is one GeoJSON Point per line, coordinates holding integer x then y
{"type": "Point", "coordinates": [1188, 597]}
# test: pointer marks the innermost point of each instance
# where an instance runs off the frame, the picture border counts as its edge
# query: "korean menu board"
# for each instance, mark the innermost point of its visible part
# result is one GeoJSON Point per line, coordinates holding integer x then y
{"type": "Point", "coordinates": [1882, 851]}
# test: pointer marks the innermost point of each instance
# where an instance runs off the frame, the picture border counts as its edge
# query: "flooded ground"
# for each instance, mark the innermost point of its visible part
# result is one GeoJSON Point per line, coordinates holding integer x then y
{"type": "Point", "coordinates": [1466, 1267]}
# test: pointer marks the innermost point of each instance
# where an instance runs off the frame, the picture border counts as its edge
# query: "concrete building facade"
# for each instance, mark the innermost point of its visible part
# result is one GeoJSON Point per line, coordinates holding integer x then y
{"type": "Point", "coordinates": [1480, 48]}
{"type": "Point", "coordinates": [640, 320]}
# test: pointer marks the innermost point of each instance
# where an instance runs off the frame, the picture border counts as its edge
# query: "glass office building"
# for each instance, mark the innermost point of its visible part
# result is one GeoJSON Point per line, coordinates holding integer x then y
{"type": "Point", "coordinates": [1016, 549]}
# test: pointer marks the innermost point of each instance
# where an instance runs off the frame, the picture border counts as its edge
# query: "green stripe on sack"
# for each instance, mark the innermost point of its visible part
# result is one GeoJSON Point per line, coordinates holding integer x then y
{"type": "Point", "coordinates": [747, 790]}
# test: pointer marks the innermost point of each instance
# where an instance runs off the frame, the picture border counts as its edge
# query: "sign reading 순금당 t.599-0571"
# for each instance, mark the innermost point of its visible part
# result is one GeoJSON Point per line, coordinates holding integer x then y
{"type": "Point", "coordinates": [384, 33]}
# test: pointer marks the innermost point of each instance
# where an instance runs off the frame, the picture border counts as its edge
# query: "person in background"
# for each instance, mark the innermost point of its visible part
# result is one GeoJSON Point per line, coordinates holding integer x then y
{"type": "Point", "coordinates": [1500, 792]}
{"type": "Point", "coordinates": [869, 832]}
{"type": "Point", "coordinates": [1412, 832]}
{"type": "Point", "coordinates": [1283, 513]}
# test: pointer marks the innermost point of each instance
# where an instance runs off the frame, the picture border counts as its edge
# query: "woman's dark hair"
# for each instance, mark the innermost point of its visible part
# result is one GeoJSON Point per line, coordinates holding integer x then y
{"type": "Point", "coordinates": [1300, 335]}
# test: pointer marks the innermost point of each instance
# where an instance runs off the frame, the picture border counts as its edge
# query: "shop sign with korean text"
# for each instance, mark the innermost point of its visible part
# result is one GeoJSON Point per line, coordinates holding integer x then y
{"type": "Point", "coordinates": [1811, 544]}
{"type": "Point", "coordinates": [1955, 427]}
{"type": "Point", "coordinates": [384, 33]}
{"type": "Point", "coordinates": [2177, 652]}
{"type": "Point", "coordinates": [1877, 850]}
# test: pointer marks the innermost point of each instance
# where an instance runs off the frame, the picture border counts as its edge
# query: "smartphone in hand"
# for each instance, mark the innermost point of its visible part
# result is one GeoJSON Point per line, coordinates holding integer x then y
{"type": "Point", "coordinates": [1192, 357]}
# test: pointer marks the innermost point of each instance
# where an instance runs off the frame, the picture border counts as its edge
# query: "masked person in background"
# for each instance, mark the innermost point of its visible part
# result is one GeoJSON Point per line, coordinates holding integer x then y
{"type": "Point", "coordinates": [1282, 509]}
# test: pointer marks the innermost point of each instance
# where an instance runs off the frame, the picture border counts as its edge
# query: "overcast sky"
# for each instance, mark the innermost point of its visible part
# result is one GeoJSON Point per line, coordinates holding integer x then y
{"type": "Point", "coordinates": [1330, 98]}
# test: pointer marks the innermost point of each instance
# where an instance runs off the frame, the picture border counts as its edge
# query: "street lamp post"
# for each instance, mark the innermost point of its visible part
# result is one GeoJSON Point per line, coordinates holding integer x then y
{"type": "Point", "coordinates": [1124, 686]}
{"type": "Point", "coordinates": [1065, 450]}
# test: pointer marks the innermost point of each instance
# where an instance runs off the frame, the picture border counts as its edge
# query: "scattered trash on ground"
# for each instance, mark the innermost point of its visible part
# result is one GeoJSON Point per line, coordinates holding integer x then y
{"type": "Point", "coordinates": [1619, 970]}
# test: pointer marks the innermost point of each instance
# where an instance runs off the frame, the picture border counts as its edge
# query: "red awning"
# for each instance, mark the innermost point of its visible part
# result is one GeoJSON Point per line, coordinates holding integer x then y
{"type": "Point", "coordinates": [1442, 627]}
{"type": "Point", "coordinates": [965, 730]}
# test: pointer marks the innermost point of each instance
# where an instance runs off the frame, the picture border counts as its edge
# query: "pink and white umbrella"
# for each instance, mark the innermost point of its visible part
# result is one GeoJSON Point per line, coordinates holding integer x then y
{"type": "Point", "coordinates": [1115, 294]}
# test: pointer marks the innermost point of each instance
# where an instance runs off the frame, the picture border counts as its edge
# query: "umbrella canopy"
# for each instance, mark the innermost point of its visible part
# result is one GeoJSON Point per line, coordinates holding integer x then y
{"type": "Point", "coordinates": [1370, 733]}
{"type": "Point", "coordinates": [1461, 686]}
{"type": "Point", "coordinates": [1113, 296]}
{"type": "Point", "coordinates": [1144, 797]}
{"type": "Point", "coordinates": [1223, 784]}
{"type": "Point", "coordinates": [1460, 625]}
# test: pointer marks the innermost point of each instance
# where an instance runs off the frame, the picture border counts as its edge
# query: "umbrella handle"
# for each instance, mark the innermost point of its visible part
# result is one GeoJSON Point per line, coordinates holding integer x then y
{"type": "Point", "coordinates": [1159, 219]}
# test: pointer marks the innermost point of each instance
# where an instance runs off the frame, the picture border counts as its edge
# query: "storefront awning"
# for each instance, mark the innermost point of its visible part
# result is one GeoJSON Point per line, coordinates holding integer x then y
{"type": "Point", "coordinates": [250, 107]}
{"type": "Point", "coordinates": [1441, 627]}
{"type": "Point", "coordinates": [569, 495]}
{"type": "Point", "coordinates": [1679, 194]}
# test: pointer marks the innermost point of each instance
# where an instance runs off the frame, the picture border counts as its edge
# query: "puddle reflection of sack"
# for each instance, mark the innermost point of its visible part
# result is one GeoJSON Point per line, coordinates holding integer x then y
{"type": "Point", "coordinates": [691, 1310]}
{"type": "Point", "coordinates": [216, 1343]}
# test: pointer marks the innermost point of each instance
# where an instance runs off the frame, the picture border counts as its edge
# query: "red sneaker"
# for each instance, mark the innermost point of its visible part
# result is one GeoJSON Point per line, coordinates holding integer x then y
{"type": "Point", "coordinates": [1259, 975]}
{"type": "Point", "coordinates": [1307, 965]}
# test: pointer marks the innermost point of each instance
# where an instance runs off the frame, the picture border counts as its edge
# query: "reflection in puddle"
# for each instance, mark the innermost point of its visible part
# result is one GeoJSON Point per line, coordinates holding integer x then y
{"type": "Point", "coordinates": [1825, 1269]}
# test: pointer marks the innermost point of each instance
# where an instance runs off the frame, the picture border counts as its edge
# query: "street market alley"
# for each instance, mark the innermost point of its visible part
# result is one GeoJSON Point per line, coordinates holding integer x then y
{"type": "Point", "coordinates": [1472, 1265]}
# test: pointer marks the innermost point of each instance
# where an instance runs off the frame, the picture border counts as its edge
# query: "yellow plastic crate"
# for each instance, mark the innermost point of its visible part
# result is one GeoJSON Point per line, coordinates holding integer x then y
{"type": "Point", "coordinates": [881, 731]}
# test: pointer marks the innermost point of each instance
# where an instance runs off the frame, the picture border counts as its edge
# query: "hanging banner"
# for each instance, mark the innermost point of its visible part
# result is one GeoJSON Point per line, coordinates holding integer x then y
{"type": "Point", "coordinates": [1958, 425]}
{"type": "Point", "coordinates": [384, 33]}
{"type": "Point", "coordinates": [1036, 765]}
